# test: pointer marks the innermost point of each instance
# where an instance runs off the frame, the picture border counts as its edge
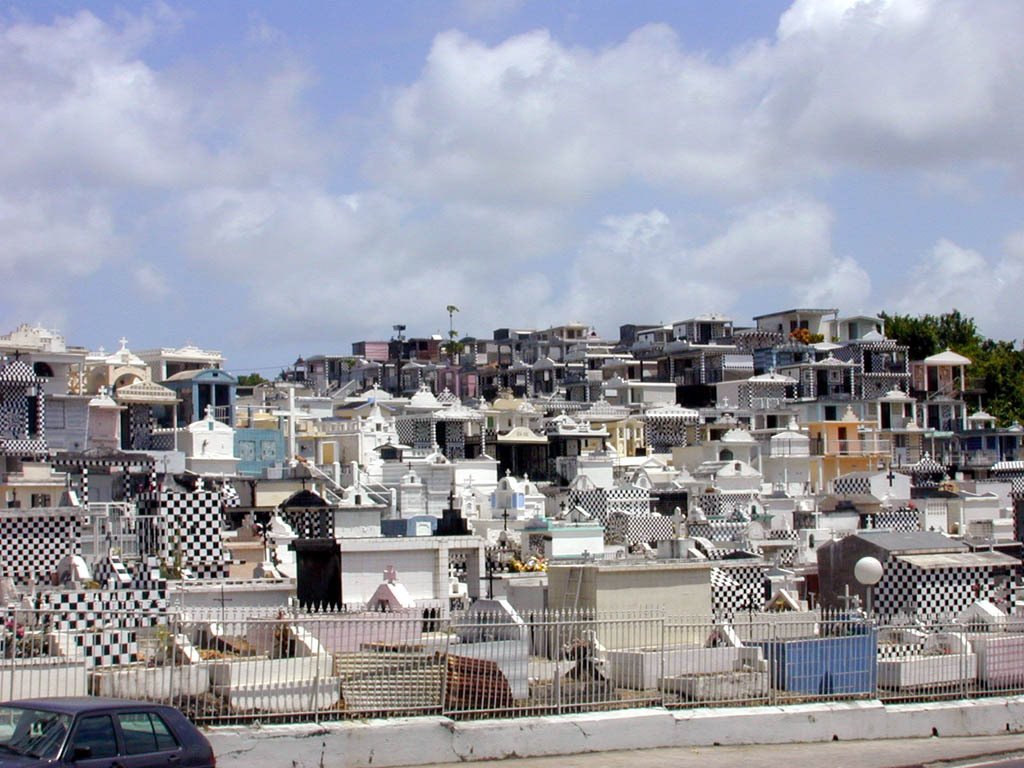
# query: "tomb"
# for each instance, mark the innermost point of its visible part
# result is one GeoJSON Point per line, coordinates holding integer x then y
{"type": "Point", "coordinates": [942, 659]}
{"type": "Point", "coordinates": [998, 642]}
{"type": "Point", "coordinates": [831, 658]}
{"type": "Point", "coordinates": [722, 670]}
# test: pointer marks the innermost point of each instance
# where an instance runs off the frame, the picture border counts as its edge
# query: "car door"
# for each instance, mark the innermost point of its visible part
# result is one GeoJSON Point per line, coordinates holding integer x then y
{"type": "Point", "coordinates": [93, 743]}
{"type": "Point", "coordinates": [148, 741]}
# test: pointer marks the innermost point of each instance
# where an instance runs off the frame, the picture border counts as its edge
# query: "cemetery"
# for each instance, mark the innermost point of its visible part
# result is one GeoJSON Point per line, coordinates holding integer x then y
{"type": "Point", "coordinates": [412, 554]}
{"type": "Point", "coordinates": [493, 661]}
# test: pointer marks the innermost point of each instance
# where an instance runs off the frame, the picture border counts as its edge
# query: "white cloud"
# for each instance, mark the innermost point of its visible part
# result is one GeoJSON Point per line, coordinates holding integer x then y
{"type": "Point", "coordinates": [784, 249]}
{"type": "Point", "coordinates": [76, 103]}
{"type": "Point", "coordinates": [261, 31]}
{"type": "Point", "coordinates": [841, 283]}
{"type": "Point", "coordinates": [79, 104]}
{"type": "Point", "coordinates": [779, 242]}
{"type": "Point", "coordinates": [986, 288]}
{"type": "Point", "coordinates": [931, 85]}
{"type": "Point", "coordinates": [151, 282]}
{"type": "Point", "coordinates": [530, 119]}
{"type": "Point", "coordinates": [1013, 244]}
{"type": "Point", "coordinates": [640, 268]}
{"type": "Point", "coordinates": [918, 83]}
{"type": "Point", "coordinates": [50, 243]}
{"type": "Point", "coordinates": [318, 261]}
{"type": "Point", "coordinates": [96, 141]}
{"type": "Point", "coordinates": [495, 174]}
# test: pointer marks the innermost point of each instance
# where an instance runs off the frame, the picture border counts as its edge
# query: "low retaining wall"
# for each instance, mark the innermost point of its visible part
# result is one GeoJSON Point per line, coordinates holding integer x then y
{"type": "Point", "coordinates": [426, 740]}
{"type": "Point", "coordinates": [38, 678]}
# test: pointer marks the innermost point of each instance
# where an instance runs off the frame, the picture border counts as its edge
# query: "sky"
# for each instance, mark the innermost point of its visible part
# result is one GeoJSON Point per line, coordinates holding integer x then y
{"type": "Point", "coordinates": [275, 179]}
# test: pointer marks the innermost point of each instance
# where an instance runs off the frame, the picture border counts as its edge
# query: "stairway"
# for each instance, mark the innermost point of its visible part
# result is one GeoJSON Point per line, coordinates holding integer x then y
{"type": "Point", "coordinates": [335, 494]}
{"type": "Point", "coordinates": [1017, 599]}
{"type": "Point", "coordinates": [571, 596]}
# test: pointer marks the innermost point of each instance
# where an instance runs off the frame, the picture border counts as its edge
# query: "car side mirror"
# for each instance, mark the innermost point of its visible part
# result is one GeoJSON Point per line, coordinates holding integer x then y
{"type": "Point", "coordinates": [81, 753]}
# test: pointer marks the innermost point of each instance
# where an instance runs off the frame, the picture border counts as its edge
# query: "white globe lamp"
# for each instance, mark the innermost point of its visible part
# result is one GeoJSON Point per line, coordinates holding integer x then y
{"type": "Point", "coordinates": [868, 571]}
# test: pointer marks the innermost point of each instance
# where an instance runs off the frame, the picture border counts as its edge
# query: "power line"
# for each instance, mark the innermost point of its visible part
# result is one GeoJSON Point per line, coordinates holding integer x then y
{"type": "Point", "coordinates": [254, 370]}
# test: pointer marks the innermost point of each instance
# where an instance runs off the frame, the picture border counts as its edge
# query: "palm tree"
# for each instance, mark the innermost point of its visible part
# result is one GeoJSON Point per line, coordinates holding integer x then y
{"type": "Point", "coordinates": [452, 347]}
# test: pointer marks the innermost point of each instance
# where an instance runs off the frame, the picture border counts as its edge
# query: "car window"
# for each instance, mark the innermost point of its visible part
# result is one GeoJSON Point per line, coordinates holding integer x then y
{"type": "Point", "coordinates": [164, 738]}
{"type": "Point", "coordinates": [32, 732]}
{"type": "Point", "coordinates": [145, 732]}
{"type": "Point", "coordinates": [97, 734]}
{"type": "Point", "coordinates": [138, 733]}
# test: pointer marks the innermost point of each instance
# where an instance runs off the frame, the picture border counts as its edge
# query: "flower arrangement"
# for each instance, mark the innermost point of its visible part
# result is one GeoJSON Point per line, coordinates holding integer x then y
{"type": "Point", "coordinates": [533, 564]}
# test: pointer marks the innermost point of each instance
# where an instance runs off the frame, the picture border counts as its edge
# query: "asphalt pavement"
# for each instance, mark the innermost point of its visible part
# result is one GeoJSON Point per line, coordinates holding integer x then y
{"type": "Point", "coordinates": [946, 752]}
{"type": "Point", "coordinates": [1014, 760]}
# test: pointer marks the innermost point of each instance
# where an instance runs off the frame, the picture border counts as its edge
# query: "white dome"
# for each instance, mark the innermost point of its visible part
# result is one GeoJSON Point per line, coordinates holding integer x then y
{"type": "Point", "coordinates": [424, 400]}
{"type": "Point", "coordinates": [738, 436]}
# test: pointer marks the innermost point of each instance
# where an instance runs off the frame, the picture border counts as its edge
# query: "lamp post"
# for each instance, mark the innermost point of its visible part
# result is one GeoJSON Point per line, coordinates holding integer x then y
{"type": "Point", "coordinates": [451, 346]}
{"type": "Point", "coordinates": [868, 572]}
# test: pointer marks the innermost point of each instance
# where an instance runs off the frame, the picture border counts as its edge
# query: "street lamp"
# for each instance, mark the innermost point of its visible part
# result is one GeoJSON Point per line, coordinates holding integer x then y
{"type": "Point", "coordinates": [868, 572]}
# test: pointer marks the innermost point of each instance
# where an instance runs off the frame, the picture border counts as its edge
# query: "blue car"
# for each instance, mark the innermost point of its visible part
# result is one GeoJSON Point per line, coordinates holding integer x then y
{"type": "Point", "coordinates": [92, 732]}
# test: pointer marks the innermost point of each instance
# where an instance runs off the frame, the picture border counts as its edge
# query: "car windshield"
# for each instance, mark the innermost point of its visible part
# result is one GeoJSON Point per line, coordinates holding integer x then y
{"type": "Point", "coordinates": [33, 732]}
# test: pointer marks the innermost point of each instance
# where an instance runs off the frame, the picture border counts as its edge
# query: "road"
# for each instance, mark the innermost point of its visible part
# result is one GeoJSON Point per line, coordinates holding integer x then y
{"type": "Point", "coordinates": [950, 752]}
{"type": "Point", "coordinates": [1016, 760]}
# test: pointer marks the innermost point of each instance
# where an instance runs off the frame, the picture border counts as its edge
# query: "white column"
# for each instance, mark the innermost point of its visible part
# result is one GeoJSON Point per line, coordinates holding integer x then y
{"type": "Point", "coordinates": [291, 424]}
{"type": "Point", "coordinates": [441, 572]}
{"type": "Point", "coordinates": [963, 386]}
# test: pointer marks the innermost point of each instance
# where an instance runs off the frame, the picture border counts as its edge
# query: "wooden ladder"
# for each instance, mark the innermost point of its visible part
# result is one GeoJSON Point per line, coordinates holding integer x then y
{"type": "Point", "coordinates": [572, 589]}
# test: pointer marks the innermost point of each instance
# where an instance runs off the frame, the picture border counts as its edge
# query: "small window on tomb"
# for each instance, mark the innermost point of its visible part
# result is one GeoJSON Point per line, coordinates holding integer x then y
{"type": "Point", "coordinates": [43, 370]}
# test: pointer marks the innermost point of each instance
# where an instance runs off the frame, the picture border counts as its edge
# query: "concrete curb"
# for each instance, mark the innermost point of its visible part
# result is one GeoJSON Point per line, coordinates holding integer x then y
{"type": "Point", "coordinates": [427, 740]}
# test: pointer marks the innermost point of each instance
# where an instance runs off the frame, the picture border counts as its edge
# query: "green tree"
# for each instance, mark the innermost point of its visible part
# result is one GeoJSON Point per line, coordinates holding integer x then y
{"type": "Point", "coordinates": [956, 331]}
{"type": "Point", "coordinates": [251, 380]}
{"type": "Point", "coordinates": [928, 334]}
{"type": "Point", "coordinates": [453, 346]}
{"type": "Point", "coordinates": [996, 373]}
{"type": "Point", "coordinates": [999, 370]}
{"type": "Point", "coordinates": [915, 332]}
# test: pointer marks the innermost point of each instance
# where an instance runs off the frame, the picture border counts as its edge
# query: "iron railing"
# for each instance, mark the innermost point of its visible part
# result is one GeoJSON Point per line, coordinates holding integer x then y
{"type": "Point", "coordinates": [241, 665]}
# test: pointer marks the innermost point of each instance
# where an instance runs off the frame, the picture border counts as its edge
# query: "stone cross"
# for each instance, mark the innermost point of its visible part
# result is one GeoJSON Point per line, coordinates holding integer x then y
{"type": "Point", "coordinates": [846, 598]}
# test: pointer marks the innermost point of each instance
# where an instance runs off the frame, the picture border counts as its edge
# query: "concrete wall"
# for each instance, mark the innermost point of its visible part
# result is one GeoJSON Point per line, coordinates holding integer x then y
{"type": "Point", "coordinates": [272, 593]}
{"type": "Point", "coordinates": [362, 573]}
{"type": "Point", "coordinates": [788, 470]}
{"type": "Point", "coordinates": [43, 677]}
{"type": "Point", "coordinates": [681, 589]}
{"type": "Point", "coordinates": [427, 740]}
